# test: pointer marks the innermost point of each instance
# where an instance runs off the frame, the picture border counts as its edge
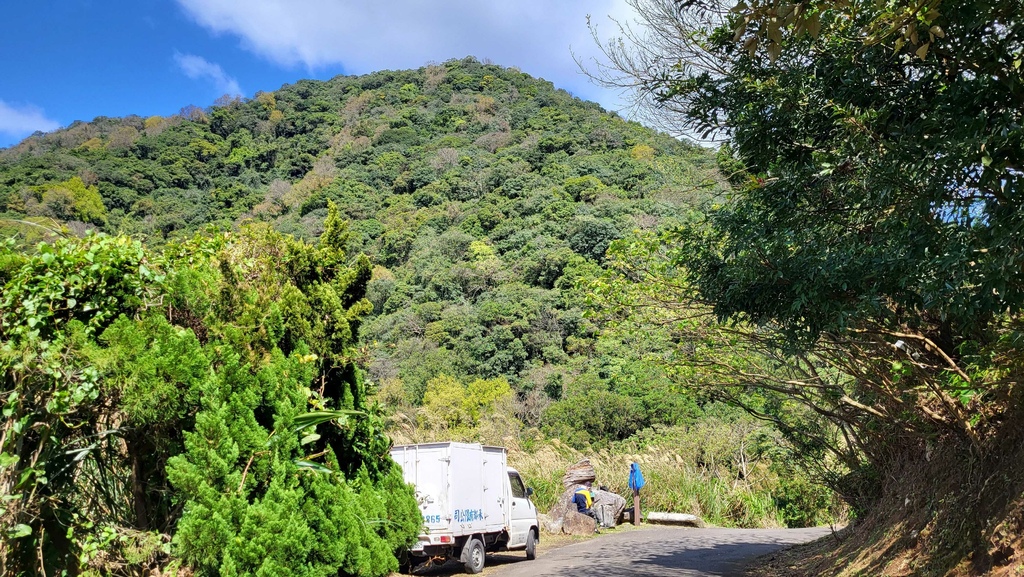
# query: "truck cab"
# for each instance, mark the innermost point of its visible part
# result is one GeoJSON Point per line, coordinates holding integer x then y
{"type": "Point", "coordinates": [471, 501]}
{"type": "Point", "coordinates": [523, 513]}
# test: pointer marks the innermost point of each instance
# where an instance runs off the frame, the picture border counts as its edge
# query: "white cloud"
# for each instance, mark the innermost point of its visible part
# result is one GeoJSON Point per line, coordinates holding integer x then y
{"type": "Point", "coordinates": [534, 35]}
{"type": "Point", "coordinates": [199, 68]}
{"type": "Point", "coordinates": [19, 121]}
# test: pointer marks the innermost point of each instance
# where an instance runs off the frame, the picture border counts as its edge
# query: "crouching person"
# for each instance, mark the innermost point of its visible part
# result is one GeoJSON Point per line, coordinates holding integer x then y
{"type": "Point", "coordinates": [584, 500]}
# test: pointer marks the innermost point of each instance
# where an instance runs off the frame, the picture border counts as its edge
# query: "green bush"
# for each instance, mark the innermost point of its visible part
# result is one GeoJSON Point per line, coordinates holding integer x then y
{"type": "Point", "coordinates": [207, 393]}
{"type": "Point", "coordinates": [601, 415]}
{"type": "Point", "coordinates": [802, 503]}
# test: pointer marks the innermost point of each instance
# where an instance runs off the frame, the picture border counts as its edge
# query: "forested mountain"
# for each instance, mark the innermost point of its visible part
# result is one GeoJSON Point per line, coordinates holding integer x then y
{"type": "Point", "coordinates": [480, 193]}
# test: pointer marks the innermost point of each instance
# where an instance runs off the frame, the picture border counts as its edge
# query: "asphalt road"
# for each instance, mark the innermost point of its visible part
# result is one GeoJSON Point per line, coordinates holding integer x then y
{"type": "Point", "coordinates": [656, 552]}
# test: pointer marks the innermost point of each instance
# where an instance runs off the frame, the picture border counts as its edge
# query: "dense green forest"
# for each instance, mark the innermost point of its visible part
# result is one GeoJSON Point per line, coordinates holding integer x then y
{"type": "Point", "coordinates": [480, 194]}
{"type": "Point", "coordinates": [216, 322]}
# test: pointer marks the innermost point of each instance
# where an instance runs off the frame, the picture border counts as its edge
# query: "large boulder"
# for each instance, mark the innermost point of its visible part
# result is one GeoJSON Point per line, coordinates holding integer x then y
{"type": "Point", "coordinates": [550, 525]}
{"type": "Point", "coordinates": [578, 524]}
{"type": "Point", "coordinates": [563, 505]}
{"type": "Point", "coordinates": [578, 474]}
{"type": "Point", "coordinates": [608, 507]}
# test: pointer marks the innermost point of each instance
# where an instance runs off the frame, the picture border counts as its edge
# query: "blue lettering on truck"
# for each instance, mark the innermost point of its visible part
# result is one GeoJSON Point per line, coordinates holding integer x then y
{"type": "Point", "coordinates": [468, 515]}
{"type": "Point", "coordinates": [432, 518]}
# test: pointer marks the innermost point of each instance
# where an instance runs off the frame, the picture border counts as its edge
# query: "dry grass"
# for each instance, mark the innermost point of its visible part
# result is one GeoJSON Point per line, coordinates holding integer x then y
{"type": "Point", "coordinates": [676, 481]}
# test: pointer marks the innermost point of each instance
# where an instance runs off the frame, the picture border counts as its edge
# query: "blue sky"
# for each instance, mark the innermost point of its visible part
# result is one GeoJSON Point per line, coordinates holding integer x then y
{"type": "Point", "coordinates": [67, 60]}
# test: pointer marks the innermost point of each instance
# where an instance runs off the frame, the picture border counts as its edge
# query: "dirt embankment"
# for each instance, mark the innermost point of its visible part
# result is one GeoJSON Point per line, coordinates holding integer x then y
{"type": "Point", "coordinates": [947, 509]}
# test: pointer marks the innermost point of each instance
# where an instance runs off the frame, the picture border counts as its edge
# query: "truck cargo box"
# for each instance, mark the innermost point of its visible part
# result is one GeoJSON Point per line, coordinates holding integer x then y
{"type": "Point", "coordinates": [462, 488]}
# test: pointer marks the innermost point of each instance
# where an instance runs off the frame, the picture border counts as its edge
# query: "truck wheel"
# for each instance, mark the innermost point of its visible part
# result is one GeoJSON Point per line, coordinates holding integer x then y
{"type": "Point", "coordinates": [531, 546]}
{"type": "Point", "coordinates": [408, 566]}
{"type": "Point", "coordinates": [474, 556]}
{"type": "Point", "coordinates": [405, 563]}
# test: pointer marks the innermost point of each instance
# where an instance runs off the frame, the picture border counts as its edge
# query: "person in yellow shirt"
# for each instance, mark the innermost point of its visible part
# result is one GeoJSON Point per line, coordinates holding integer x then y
{"type": "Point", "coordinates": [584, 500]}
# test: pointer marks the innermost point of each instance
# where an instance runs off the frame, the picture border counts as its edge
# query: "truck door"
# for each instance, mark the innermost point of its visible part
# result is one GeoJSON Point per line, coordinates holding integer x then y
{"type": "Point", "coordinates": [524, 514]}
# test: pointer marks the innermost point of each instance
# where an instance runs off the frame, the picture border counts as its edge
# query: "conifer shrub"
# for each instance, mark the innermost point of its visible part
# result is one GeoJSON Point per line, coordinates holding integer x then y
{"type": "Point", "coordinates": [203, 401]}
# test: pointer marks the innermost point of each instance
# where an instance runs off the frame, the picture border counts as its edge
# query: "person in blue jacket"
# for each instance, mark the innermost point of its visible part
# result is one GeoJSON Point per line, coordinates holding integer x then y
{"type": "Point", "coordinates": [584, 500]}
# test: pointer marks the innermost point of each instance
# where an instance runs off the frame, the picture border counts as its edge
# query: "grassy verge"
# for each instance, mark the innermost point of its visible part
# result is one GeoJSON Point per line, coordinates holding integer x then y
{"type": "Point", "coordinates": [673, 485]}
{"type": "Point", "coordinates": [723, 471]}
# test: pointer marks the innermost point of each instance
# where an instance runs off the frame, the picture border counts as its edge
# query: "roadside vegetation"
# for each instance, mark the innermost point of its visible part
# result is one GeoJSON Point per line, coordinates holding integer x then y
{"type": "Point", "coordinates": [727, 467]}
{"type": "Point", "coordinates": [195, 407]}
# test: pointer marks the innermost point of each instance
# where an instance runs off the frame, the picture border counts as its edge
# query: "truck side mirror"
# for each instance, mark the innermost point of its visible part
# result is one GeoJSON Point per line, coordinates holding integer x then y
{"type": "Point", "coordinates": [529, 491]}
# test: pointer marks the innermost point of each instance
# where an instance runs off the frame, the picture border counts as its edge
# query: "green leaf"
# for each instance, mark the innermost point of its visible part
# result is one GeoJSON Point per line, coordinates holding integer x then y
{"type": "Point", "coordinates": [316, 417]}
{"type": "Point", "coordinates": [18, 531]}
{"type": "Point", "coordinates": [316, 467]}
{"type": "Point", "coordinates": [7, 459]}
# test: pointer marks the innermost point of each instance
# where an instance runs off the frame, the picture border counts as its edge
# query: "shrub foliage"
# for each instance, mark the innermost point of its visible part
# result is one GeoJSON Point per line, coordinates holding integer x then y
{"type": "Point", "coordinates": [207, 392]}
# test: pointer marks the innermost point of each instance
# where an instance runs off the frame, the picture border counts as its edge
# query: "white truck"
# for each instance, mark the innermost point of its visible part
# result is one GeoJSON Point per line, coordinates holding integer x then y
{"type": "Point", "coordinates": [472, 503]}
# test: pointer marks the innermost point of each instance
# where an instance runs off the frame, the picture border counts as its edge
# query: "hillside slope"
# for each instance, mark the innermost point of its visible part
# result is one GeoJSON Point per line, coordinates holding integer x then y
{"type": "Point", "coordinates": [481, 193]}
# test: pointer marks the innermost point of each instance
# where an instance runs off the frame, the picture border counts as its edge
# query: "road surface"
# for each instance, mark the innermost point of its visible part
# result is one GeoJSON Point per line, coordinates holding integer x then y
{"type": "Point", "coordinates": [655, 552]}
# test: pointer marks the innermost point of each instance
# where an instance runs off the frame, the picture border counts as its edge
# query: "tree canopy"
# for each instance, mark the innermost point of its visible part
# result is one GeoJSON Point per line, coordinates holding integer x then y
{"type": "Point", "coordinates": [871, 240]}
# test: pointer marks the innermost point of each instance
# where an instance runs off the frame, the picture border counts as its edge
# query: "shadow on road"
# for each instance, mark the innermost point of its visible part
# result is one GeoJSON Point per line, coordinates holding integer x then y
{"type": "Point", "coordinates": [663, 552]}
{"type": "Point", "coordinates": [694, 562]}
{"type": "Point", "coordinates": [651, 552]}
{"type": "Point", "coordinates": [722, 560]}
{"type": "Point", "coordinates": [455, 568]}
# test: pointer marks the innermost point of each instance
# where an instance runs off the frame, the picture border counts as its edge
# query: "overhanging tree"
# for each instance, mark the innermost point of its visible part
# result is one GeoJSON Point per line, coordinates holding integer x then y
{"type": "Point", "coordinates": [876, 222]}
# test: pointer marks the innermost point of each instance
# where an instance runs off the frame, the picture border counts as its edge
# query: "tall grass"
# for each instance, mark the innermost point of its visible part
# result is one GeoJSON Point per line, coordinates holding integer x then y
{"type": "Point", "coordinates": [673, 485]}
{"type": "Point", "coordinates": [713, 469]}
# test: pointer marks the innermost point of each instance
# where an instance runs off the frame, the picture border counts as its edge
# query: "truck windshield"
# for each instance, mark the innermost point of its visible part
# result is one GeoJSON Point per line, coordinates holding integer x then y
{"type": "Point", "coordinates": [518, 490]}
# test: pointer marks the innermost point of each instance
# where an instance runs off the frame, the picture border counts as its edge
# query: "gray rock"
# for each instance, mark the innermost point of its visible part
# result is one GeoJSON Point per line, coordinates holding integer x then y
{"type": "Point", "coordinates": [578, 474]}
{"type": "Point", "coordinates": [608, 507]}
{"type": "Point", "coordinates": [549, 525]}
{"type": "Point", "coordinates": [674, 519]}
{"type": "Point", "coordinates": [578, 524]}
{"type": "Point", "coordinates": [564, 504]}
